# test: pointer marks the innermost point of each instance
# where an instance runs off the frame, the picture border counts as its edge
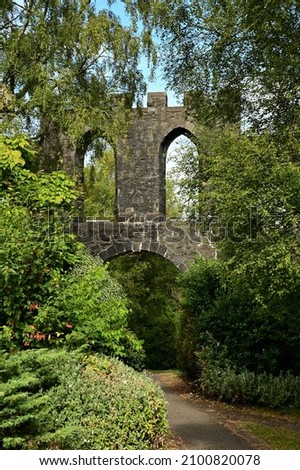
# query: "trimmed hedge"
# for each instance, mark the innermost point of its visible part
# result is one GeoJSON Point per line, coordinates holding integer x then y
{"type": "Point", "coordinates": [250, 388]}
{"type": "Point", "coordinates": [54, 399]}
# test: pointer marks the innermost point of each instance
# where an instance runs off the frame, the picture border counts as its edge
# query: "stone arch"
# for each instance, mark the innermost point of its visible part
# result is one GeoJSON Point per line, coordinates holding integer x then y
{"type": "Point", "coordinates": [140, 172]}
{"type": "Point", "coordinates": [121, 248]}
{"type": "Point", "coordinates": [140, 223]}
{"type": "Point", "coordinates": [172, 134]}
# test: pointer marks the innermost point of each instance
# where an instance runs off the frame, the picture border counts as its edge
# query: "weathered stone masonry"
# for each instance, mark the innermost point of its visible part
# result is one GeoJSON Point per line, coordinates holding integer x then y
{"type": "Point", "coordinates": [175, 241]}
{"type": "Point", "coordinates": [141, 169]}
{"type": "Point", "coordinates": [140, 223]}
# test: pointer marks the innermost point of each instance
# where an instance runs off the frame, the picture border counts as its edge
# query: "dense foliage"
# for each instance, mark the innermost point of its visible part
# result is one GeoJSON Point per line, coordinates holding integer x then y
{"type": "Point", "coordinates": [62, 90]}
{"type": "Point", "coordinates": [53, 399]}
{"type": "Point", "coordinates": [100, 183]}
{"type": "Point", "coordinates": [52, 290]}
{"type": "Point", "coordinates": [240, 61]}
{"type": "Point", "coordinates": [240, 330]}
{"type": "Point", "coordinates": [153, 300]}
{"type": "Point", "coordinates": [36, 247]}
{"type": "Point", "coordinates": [244, 193]}
{"type": "Point", "coordinates": [250, 388]}
{"type": "Point", "coordinates": [242, 351]}
{"type": "Point", "coordinates": [235, 57]}
{"type": "Point", "coordinates": [237, 329]}
{"type": "Point", "coordinates": [93, 308]}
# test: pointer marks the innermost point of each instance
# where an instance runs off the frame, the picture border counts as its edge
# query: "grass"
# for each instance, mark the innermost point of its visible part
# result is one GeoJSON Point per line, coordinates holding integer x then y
{"type": "Point", "coordinates": [277, 438]}
{"type": "Point", "coordinates": [290, 415]}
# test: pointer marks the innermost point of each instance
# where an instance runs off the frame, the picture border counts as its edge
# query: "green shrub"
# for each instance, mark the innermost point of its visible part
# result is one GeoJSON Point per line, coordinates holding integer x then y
{"type": "Point", "coordinates": [199, 286]}
{"type": "Point", "coordinates": [92, 307]}
{"type": "Point", "coordinates": [222, 381]}
{"type": "Point", "coordinates": [254, 336]}
{"type": "Point", "coordinates": [36, 248]}
{"type": "Point", "coordinates": [46, 299]}
{"type": "Point", "coordinates": [54, 399]}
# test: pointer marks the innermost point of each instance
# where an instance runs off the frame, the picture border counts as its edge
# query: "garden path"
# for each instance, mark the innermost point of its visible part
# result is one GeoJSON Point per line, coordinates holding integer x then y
{"type": "Point", "coordinates": [197, 426]}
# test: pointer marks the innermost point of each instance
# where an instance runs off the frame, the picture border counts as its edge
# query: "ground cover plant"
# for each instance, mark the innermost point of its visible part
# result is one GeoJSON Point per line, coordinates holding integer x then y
{"type": "Point", "coordinates": [57, 399]}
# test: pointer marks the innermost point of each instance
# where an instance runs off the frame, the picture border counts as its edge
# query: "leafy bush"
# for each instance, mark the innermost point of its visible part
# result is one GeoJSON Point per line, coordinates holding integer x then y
{"type": "Point", "coordinates": [199, 287]}
{"type": "Point", "coordinates": [250, 388]}
{"type": "Point", "coordinates": [54, 399]}
{"type": "Point", "coordinates": [249, 202]}
{"type": "Point", "coordinates": [239, 351]}
{"type": "Point", "coordinates": [92, 307]}
{"type": "Point", "coordinates": [36, 248]}
{"type": "Point", "coordinates": [51, 289]}
{"type": "Point", "coordinates": [260, 338]}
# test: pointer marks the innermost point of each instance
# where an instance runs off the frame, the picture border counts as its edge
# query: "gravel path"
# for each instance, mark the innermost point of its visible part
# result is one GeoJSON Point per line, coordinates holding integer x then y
{"type": "Point", "coordinates": [197, 425]}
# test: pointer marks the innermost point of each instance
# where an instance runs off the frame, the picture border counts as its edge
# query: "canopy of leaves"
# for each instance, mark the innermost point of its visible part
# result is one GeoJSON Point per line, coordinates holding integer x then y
{"type": "Point", "coordinates": [235, 57]}
{"type": "Point", "coordinates": [182, 190]}
{"type": "Point", "coordinates": [64, 60]}
{"type": "Point", "coordinates": [248, 301]}
{"type": "Point", "coordinates": [245, 194]}
{"type": "Point", "coordinates": [100, 184]}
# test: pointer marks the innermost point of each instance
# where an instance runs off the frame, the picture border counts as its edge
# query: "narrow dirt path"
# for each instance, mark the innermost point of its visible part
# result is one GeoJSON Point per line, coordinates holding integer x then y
{"type": "Point", "coordinates": [197, 426]}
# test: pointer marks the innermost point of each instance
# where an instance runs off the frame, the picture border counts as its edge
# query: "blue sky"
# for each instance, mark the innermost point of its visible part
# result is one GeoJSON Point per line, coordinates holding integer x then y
{"type": "Point", "coordinates": [158, 84]}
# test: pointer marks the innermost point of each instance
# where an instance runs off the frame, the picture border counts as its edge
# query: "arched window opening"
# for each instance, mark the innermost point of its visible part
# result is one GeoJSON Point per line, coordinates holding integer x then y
{"type": "Point", "coordinates": [181, 160]}
{"type": "Point", "coordinates": [99, 184]}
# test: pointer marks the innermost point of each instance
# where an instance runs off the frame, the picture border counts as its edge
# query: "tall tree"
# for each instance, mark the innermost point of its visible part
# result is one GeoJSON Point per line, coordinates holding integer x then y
{"type": "Point", "coordinates": [248, 300]}
{"type": "Point", "coordinates": [63, 60]}
{"type": "Point", "coordinates": [235, 56]}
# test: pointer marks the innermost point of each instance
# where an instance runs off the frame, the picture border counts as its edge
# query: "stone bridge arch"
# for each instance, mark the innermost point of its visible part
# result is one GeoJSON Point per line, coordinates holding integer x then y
{"type": "Point", "coordinates": [176, 241]}
{"type": "Point", "coordinates": [140, 223]}
{"type": "Point", "coordinates": [120, 248]}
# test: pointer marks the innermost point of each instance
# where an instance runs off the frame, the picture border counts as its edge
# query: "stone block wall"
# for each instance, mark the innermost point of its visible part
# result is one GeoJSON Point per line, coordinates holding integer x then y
{"type": "Point", "coordinates": [141, 223]}
{"type": "Point", "coordinates": [140, 160]}
{"type": "Point", "coordinates": [176, 241]}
